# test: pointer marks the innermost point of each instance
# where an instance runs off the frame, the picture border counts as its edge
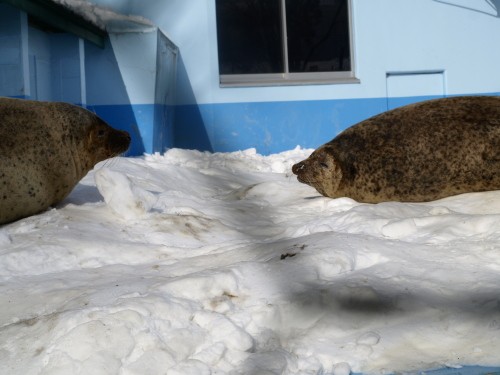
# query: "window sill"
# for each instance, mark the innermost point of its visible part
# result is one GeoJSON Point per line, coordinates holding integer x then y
{"type": "Point", "coordinates": [230, 81]}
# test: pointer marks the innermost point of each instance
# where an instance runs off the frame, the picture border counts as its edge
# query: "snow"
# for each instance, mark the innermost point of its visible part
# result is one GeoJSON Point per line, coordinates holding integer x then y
{"type": "Point", "coordinates": [105, 18]}
{"type": "Point", "coordinates": [200, 263]}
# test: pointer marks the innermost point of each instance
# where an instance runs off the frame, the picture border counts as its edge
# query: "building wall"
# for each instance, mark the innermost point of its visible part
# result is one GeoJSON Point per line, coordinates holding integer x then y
{"type": "Point", "coordinates": [12, 63]}
{"type": "Point", "coordinates": [131, 85]}
{"type": "Point", "coordinates": [130, 82]}
{"type": "Point", "coordinates": [405, 50]}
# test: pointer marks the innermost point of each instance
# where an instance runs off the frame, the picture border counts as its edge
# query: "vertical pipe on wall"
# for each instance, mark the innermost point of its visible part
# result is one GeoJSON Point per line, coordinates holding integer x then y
{"type": "Point", "coordinates": [25, 54]}
{"type": "Point", "coordinates": [83, 84]}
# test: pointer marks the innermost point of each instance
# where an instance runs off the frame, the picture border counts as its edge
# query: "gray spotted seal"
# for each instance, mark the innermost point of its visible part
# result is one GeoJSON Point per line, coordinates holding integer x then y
{"type": "Point", "coordinates": [45, 149]}
{"type": "Point", "coordinates": [420, 152]}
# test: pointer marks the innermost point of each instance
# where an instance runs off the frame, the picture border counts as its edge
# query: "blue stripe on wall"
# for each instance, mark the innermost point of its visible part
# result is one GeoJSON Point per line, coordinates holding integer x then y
{"type": "Point", "coordinates": [123, 117]}
{"type": "Point", "coordinates": [150, 125]}
{"type": "Point", "coordinates": [270, 127]}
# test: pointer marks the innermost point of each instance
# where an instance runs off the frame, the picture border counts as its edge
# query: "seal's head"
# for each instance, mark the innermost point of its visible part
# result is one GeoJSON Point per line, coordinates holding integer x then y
{"type": "Point", "coordinates": [104, 142]}
{"type": "Point", "coordinates": [46, 148]}
{"type": "Point", "coordinates": [94, 139]}
{"type": "Point", "coordinates": [321, 171]}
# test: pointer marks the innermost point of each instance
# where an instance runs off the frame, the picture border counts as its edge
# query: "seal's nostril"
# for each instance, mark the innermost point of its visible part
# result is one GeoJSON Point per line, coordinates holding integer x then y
{"type": "Point", "coordinates": [296, 168]}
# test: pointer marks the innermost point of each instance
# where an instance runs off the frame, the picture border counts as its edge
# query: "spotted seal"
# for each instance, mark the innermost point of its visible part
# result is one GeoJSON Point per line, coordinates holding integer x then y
{"type": "Point", "coordinates": [420, 152]}
{"type": "Point", "coordinates": [45, 149]}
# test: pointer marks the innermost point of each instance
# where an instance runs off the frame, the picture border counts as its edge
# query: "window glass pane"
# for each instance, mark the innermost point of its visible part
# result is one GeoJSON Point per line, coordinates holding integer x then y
{"type": "Point", "coordinates": [249, 36]}
{"type": "Point", "coordinates": [318, 35]}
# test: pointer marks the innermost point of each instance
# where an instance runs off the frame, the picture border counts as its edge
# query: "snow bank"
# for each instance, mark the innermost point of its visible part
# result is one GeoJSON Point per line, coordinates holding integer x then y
{"type": "Point", "coordinates": [199, 263]}
{"type": "Point", "coordinates": [105, 18]}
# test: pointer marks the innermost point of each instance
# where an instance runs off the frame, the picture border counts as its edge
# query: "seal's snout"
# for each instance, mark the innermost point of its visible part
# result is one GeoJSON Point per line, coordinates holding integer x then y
{"type": "Point", "coordinates": [127, 138]}
{"type": "Point", "coordinates": [298, 168]}
{"type": "Point", "coordinates": [120, 141]}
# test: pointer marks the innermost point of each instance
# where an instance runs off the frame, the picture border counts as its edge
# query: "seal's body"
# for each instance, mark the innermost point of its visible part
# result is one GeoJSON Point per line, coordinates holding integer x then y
{"type": "Point", "coordinates": [419, 152]}
{"type": "Point", "coordinates": [45, 149]}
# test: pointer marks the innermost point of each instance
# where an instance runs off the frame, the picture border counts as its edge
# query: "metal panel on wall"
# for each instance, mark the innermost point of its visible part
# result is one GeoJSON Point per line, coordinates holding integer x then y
{"type": "Point", "coordinates": [409, 87]}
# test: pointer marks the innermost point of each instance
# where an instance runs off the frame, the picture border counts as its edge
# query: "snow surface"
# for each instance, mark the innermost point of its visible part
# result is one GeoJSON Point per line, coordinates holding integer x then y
{"type": "Point", "coordinates": [107, 19]}
{"type": "Point", "coordinates": [199, 263]}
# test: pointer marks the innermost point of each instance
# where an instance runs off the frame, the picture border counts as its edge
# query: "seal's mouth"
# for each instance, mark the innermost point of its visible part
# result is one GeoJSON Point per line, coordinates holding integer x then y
{"type": "Point", "coordinates": [301, 178]}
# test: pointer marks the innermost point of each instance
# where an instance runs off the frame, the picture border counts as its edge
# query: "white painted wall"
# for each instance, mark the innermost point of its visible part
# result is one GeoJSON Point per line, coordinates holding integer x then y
{"type": "Point", "coordinates": [136, 57]}
{"type": "Point", "coordinates": [459, 37]}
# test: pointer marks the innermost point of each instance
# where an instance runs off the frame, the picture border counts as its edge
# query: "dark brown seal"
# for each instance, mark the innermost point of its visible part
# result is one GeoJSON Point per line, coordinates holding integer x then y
{"type": "Point", "coordinates": [420, 152]}
{"type": "Point", "coordinates": [45, 149]}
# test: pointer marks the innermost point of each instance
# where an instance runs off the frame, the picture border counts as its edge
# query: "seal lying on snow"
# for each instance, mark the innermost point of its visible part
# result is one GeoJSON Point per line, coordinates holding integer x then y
{"type": "Point", "coordinates": [45, 149]}
{"type": "Point", "coordinates": [420, 152]}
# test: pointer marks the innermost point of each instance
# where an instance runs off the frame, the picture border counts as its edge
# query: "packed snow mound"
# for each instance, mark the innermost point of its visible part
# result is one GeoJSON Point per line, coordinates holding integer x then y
{"type": "Point", "coordinates": [199, 263]}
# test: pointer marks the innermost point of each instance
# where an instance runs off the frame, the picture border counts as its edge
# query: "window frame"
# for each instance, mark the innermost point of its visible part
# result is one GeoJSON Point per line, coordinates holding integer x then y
{"type": "Point", "coordinates": [287, 78]}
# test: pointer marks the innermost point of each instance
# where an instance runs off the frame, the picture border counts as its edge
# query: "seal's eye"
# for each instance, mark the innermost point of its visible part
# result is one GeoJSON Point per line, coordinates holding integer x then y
{"type": "Point", "coordinates": [101, 133]}
{"type": "Point", "coordinates": [323, 165]}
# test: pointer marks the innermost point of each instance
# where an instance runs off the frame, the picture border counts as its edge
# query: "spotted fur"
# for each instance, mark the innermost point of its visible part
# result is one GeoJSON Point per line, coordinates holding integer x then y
{"type": "Point", "coordinates": [419, 152]}
{"type": "Point", "coordinates": [45, 149]}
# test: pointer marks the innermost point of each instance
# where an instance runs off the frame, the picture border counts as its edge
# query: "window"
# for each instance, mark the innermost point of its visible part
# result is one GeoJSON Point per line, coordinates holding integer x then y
{"type": "Point", "coordinates": [251, 38]}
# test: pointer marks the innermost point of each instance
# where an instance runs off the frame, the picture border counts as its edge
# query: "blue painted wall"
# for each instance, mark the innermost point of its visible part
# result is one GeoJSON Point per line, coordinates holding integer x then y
{"type": "Point", "coordinates": [270, 126]}
{"type": "Point", "coordinates": [11, 56]}
{"type": "Point", "coordinates": [130, 82]}
{"type": "Point", "coordinates": [405, 51]}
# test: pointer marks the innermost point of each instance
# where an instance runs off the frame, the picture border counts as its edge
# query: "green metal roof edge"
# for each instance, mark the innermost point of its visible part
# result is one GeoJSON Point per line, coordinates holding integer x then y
{"type": "Point", "coordinates": [62, 18]}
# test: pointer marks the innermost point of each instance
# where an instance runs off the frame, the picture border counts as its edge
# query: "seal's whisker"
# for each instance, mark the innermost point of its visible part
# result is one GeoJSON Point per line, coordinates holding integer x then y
{"type": "Point", "coordinates": [102, 165]}
{"type": "Point", "coordinates": [110, 162]}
